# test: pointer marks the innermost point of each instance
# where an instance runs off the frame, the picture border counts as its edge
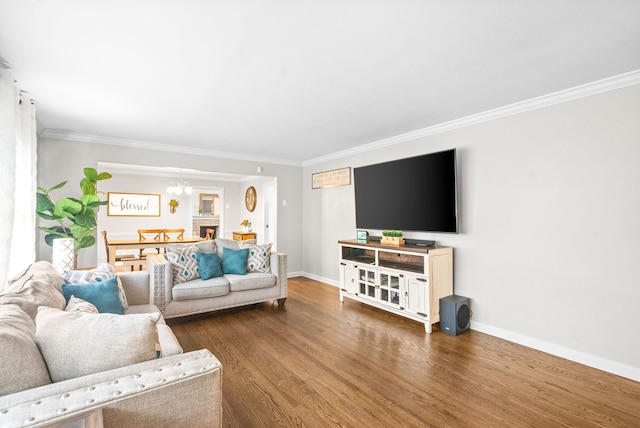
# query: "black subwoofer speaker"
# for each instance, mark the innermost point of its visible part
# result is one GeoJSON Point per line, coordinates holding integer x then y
{"type": "Point", "coordinates": [455, 314]}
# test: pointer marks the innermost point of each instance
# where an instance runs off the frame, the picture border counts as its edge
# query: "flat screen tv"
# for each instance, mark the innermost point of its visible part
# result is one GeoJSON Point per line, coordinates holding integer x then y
{"type": "Point", "coordinates": [412, 194]}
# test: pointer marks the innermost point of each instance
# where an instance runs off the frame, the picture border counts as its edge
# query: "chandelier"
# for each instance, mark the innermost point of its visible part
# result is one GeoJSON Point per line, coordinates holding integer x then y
{"type": "Point", "coordinates": [179, 187]}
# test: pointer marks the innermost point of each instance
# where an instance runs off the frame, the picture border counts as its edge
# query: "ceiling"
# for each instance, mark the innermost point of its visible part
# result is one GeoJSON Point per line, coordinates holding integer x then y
{"type": "Point", "coordinates": [292, 80]}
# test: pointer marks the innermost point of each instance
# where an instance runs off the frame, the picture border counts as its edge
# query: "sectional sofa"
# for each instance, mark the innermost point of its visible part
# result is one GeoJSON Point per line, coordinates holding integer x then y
{"type": "Point", "coordinates": [57, 365]}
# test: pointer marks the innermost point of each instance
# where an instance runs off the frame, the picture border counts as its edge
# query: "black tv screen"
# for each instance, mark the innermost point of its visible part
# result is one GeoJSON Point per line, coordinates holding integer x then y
{"type": "Point", "coordinates": [417, 194]}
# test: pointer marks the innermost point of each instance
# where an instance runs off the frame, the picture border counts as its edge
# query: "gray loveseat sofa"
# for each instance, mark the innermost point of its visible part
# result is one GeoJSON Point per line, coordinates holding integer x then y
{"type": "Point", "coordinates": [163, 388]}
{"type": "Point", "coordinates": [226, 291]}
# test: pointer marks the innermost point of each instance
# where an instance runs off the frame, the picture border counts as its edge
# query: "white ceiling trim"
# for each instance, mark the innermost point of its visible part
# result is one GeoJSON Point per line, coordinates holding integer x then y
{"type": "Point", "coordinates": [593, 88]}
{"type": "Point", "coordinates": [138, 144]}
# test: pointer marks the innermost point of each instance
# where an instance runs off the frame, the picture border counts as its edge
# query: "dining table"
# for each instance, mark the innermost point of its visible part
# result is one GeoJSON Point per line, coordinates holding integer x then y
{"type": "Point", "coordinates": [135, 244]}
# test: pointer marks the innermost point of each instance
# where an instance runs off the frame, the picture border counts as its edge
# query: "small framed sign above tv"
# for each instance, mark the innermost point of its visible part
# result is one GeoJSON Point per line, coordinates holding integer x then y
{"type": "Point", "coordinates": [334, 178]}
{"type": "Point", "coordinates": [417, 194]}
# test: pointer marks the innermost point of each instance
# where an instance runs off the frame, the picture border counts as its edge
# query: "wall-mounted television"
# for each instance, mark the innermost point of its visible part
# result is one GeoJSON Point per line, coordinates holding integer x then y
{"type": "Point", "coordinates": [412, 194]}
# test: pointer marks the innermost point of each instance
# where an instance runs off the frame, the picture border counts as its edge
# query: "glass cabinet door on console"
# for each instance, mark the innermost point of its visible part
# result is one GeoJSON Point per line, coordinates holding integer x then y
{"type": "Point", "coordinates": [367, 283]}
{"type": "Point", "coordinates": [390, 285]}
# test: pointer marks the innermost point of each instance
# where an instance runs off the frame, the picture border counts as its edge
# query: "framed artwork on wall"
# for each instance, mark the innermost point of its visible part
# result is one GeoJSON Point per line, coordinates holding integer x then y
{"type": "Point", "coordinates": [133, 204]}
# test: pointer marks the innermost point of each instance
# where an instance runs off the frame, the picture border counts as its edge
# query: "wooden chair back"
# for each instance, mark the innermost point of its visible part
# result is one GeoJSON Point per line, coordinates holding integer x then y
{"type": "Point", "coordinates": [177, 234]}
{"type": "Point", "coordinates": [210, 233]}
{"type": "Point", "coordinates": [150, 234]}
{"type": "Point", "coordinates": [154, 235]}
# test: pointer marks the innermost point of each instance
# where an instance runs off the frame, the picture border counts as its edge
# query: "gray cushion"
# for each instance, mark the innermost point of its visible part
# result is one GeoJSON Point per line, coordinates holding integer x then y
{"type": "Point", "coordinates": [39, 285]}
{"type": "Point", "coordinates": [250, 281]}
{"type": "Point", "coordinates": [76, 344]}
{"type": "Point", "coordinates": [207, 246]}
{"type": "Point", "coordinates": [22, 366]}
{"type": "Point", "coordinates": [199, 289]}
{"type": "Point", "coordinates": [169, 345]}
{"type": "Point", "coordinates": [232, 244]}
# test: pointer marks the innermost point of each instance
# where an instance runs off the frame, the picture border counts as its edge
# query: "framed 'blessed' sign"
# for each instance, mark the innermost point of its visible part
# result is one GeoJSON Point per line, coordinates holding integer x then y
{"type": "Point", "coordinates": [133, 204]}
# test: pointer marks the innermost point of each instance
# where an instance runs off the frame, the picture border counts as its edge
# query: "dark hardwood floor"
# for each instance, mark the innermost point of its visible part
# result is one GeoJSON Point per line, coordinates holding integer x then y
{"type": "Point", "coordinates": [321, 363]}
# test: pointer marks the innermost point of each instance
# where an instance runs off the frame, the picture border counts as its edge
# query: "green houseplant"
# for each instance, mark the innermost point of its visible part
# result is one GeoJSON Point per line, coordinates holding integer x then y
{"type": "Point", "coordinates": [392, 237]}
{"type": "Point", "coordinates": [76, 218]}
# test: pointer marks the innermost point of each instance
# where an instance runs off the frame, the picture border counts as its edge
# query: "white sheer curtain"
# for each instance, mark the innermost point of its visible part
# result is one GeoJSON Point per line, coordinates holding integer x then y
{"type": "Point", "coordinates": [18, 144]}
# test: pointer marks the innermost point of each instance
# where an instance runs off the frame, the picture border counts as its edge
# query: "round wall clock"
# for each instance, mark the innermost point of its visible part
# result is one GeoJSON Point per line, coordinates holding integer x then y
{"type": "Point", "coordinates": [250, 198]}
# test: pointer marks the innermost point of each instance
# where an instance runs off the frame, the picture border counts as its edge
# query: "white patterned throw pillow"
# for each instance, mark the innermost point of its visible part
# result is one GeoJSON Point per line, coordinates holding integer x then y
{"type": "Point", "coordinates": [81, 306]}
{"type": "Point", "coordinates": [184, 261]}
{"type": "Point", "coordinates": [259, 259]}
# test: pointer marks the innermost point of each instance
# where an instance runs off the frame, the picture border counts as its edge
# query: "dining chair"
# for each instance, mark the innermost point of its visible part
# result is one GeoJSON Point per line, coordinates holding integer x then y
{"type": "Point", "coordinates": [149, 235]}
{"type": "Point", "coordinates": [210, 233]}
{"type": "Point", "coordinates": [177, 234]}
{"type": "Point", "coordinates": [119, 257]}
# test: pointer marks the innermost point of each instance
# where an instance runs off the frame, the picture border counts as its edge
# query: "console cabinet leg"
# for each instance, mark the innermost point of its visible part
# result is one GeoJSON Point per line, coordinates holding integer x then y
{"type": "Point", "coordinates": [427, 327]}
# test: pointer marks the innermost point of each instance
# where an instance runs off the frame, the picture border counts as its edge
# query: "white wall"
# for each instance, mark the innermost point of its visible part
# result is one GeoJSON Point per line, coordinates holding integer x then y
{"type": "Point", "coordinates": [60, 160]}
{"type": "Point", "coordinates": [548, 247]}
{"type": "Point", "coordinates": [550, 225]}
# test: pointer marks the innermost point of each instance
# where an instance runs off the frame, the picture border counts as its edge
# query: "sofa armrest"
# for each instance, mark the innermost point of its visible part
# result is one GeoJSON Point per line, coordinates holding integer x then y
{"type": "Point", "coordinates": [279, 269]}
{"type": "Point", "coordinates": [160, 280]}
{"type": "Point", "coordinates": [136, 287]}
{"type": "Point", "coordinates": [181, 390]}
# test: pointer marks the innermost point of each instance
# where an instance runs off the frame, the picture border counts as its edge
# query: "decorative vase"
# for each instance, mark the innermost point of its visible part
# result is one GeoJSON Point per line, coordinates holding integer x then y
{"type": "Point", "coordinates": [245, 229]}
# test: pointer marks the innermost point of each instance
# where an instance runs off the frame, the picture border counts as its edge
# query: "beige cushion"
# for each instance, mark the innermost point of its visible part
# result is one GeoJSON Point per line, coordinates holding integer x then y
{"type": "Point", "coordinates": [21, 364]}
{"type": "Point", "coordinates": [169, 345]}
{"type": "Point", "coordinates": [250, 281]}
{"type": "Point", "coordinates": [102, 272]}
{"type": "Point", "coordinates": [75, 344]}
{"type": "Point", "coordinates": [199, 289]}
{"type": "Point", "coordinates": [39, 285]}
{"type": "Point", "coordinates": [232, 244]}
{"type": "Point", "coordinates": [79, 305]}
{"type": "Point", "coordinates": [207, 246]}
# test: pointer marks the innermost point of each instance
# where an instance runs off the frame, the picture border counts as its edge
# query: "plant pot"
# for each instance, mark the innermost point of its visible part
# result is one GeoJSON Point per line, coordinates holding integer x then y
{"type": "Point", "coordinates": [63, 256]}
{"type": "Point", "coordinates": [395, 241]}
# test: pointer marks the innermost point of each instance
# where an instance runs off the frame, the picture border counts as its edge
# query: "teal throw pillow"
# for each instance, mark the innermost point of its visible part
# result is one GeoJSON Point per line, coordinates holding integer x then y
{"type": "Point", "coordinates": [209, 265]}
{"type": "Point", "coordinates": [235, 261]}
{"type": "Point", "coordinates": [104, 295]}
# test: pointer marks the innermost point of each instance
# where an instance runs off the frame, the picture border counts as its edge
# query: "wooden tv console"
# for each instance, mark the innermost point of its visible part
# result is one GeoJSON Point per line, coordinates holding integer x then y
{"type": "Point", "coordinates": [408, 280]}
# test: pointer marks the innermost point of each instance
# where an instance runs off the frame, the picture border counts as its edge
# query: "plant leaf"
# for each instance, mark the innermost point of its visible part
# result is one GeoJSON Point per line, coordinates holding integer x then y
{"type": "Point", "coordinates": [66, 207]}
{"type": "Point", "coordinates": [57, 186]}
{"type": "Point", "coordinates": [91, 174]}
{"type": "Point", "coordinates": [43, 203]}
{"type": "Point", "coordinates": [88, 187]}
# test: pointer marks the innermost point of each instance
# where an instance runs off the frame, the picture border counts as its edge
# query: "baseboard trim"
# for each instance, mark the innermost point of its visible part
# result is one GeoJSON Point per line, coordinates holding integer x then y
{"type": "Point", "coordinates": [599, 363]}
{"type": "Point", "coordinates": [321, 279]}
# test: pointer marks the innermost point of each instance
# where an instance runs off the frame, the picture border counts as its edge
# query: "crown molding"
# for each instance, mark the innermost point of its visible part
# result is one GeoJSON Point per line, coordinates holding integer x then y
{"type": "Point", "coordinates": [138, 144]}
{"type": "Point", "coordinates": [586, 90]}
